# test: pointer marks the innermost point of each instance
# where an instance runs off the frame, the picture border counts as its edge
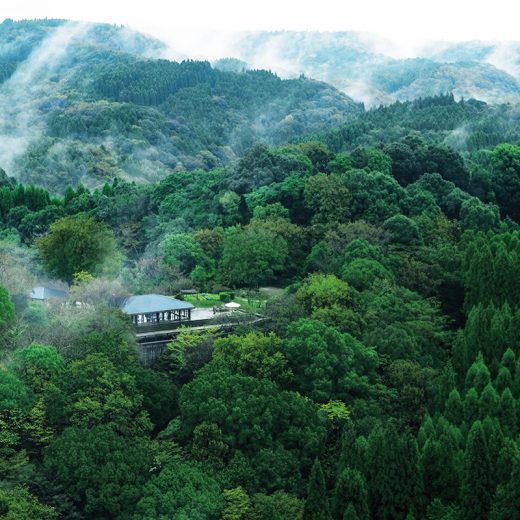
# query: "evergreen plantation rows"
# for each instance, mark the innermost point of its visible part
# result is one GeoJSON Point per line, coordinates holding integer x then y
{"type": "Point", "coordinates": [385, 384]}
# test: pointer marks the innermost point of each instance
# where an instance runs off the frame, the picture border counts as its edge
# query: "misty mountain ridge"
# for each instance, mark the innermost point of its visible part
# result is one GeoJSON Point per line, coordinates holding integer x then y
{"type": "Point", "coordinates": [370, 70]}
{"type": "Point", "coordinates": [85, 103]}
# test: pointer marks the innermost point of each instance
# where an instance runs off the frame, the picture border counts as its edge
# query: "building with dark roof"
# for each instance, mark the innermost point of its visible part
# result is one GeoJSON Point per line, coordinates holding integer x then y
{"type": "Point", "coordinates": [149, 309]}
{"type": "Point", "coordinates": [46, 293]}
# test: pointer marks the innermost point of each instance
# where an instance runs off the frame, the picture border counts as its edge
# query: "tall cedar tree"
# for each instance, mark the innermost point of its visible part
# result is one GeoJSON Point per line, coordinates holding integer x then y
{"type": "Point", "coordinates": [476, 487]}
{"type": "Point", "coordinates": [317, 504]}
{"type": "Point", "coordinates": [392, 474]}
{"type": "Point", "coordinates": [350, 490]}
{"type": "Point", "coordinates": [507, 502]}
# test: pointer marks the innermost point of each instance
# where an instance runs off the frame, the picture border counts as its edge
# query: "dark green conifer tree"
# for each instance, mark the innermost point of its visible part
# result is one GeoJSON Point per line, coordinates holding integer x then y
{"type": "Point", "coordinates": [480, 275]}
{"type": "Point", "coordinates": [476, 333]}
{"type": "Point", "coordinates": [506, 505]}
{"type": "Point", "coordinates": [445, 428]}
{"type": "Point", "coordinates": [495, 443]}
{"type": "Point", "coordinates": [317, 504]}
{"type": "Point", "coordinates": [516, 380]}
{"type": "Point", "coordinates": [503, 379]}
{"type": "Point", "coordinates": [447, 382]}
{"type": "Point", "coordinates": [350, 489]}
{"type": "Point", "coordinates": [471, 406]}
{"type": "Point", "coordinates": [7, 309]}
{"type": "Point", "coordinates": [393, 478]}
{"type": "Point", "coordinates": [350, 513]}
{"type": "Point", "coordinates": [478, 375]}
{"type": "Point", "coordinates": [454, 410]}
{"type": "Point", "coordinates": [503, 266]}
{"type": "Point", "coordinates": [437, 510]}
{"type": "Point", "coordinates": [476, 492]}
{"type": "Point", "coordinates": [353, 450]}
{"type": "Point", "coordinates": [507, 413]}
{"type": "Point", "coordinates": [500, 336]}
{"type": "Point", "coordinates": [107, 190]}
{"type": "Point", "coordinates": [488, 402]}
{"type": "Point", "coordinates": [6, 201]}
{"type": "Point", "coordinates": [426, 431]}
{"type": "Point", "coordinates": [438, 463]}
{"type": "Point", "coordinates": [508, 453]}
{"type": "Point", "coordinates": [509, 361]}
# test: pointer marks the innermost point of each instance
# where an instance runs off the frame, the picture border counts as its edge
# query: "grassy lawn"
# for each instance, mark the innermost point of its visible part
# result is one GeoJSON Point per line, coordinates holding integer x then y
{"type": "Point", "coordinates": [250, 305]}
{"type": "Point", "coordinates": [270, 292]}
{"type": "Point", "coordinates": [206, 300]}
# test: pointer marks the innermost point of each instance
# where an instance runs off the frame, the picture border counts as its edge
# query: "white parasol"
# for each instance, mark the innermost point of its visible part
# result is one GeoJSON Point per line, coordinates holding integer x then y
{"type": "Point", "coordinates": [232, 306]}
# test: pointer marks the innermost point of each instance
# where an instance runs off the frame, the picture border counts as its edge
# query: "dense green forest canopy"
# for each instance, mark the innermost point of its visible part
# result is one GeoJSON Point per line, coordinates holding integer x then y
{"type": "Point", "coordinates": [381, 246]}
{"type": "Point", "coordinates": [466, 125]}
{"type": "Point", "coordinates": [385, 383]}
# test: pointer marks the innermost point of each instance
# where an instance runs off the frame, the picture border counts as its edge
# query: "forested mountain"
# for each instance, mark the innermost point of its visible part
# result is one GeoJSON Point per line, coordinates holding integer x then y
{"type": "Point", "coordinates": [85, 102]}
{"type": "Point", "coordinates": [369, 69]}
{"type": "Point", "coordinates": [91, 102]}
{"type": "Point", "coordinates": [372, 371]}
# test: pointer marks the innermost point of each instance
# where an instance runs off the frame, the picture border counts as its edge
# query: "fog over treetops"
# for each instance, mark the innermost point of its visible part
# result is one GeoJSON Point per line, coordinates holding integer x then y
{"type": "Point", "coordinates": [90, 102]}
{"type": "Point", "coordinates": [377, 71]}
{"type": "Point", "coordinates": [85, 102]}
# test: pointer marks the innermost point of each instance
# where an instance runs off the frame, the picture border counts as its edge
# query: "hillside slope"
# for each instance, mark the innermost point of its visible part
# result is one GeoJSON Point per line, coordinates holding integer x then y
{"type": "Point", "coordinates": [85, 102]}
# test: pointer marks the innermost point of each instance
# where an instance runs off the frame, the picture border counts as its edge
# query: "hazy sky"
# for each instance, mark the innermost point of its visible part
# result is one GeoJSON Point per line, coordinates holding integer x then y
{"type": "Point", "coordinates": [408, 21]}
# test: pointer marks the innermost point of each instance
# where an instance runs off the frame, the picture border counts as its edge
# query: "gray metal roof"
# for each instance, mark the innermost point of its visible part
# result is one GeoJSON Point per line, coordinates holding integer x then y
{"type": "Point", "coordinates": [145, 303]}
{"type": "Point", "coordinates": [44, 293]}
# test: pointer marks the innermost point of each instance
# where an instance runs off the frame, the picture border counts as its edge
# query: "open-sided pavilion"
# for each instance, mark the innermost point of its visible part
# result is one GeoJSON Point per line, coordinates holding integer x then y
{"type": "Point", "coordinates": [149, 309]}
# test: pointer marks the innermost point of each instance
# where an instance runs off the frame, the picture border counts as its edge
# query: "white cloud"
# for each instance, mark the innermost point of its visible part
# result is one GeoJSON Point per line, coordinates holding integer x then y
{"type": "Point", "coordinates": [21, 122]}
{"type": "Point", "coordinates": [505, 57]}
{"type": "Point", "coordinates": [406, 21]}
